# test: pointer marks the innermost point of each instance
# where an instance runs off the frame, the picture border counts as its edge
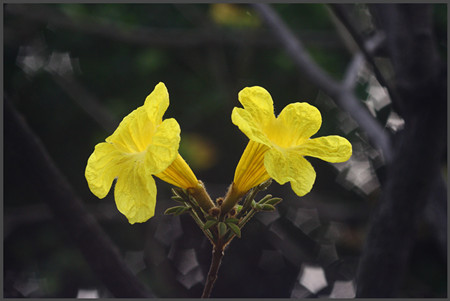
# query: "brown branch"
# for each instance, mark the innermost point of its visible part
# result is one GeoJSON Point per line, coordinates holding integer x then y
{"type": "Point", "coordinates": [340, 93]}
{"type": "Point", "coordinates": [86, 101]}
{"type": "Point", "coordinates": [217, 254]}
{"type": "Point", "coordinates": [340, 11]}
{"type": "Point", "coordinates": [41, 173]}
{"type": "Point", "coordinates": [146, 36]}
{"type": "Point", "coordinates": [413, 177]}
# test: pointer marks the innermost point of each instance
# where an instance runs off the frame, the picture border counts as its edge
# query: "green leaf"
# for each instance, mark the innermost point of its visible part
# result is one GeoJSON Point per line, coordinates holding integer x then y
{"type": "Point", "coordinates": [177, 198]}
{"type": "Point", "coordinates": [267, 207]}
{"type": "Point", "coordinates": [264, 185]}
{"type": "Point", "coordinates": [274, 201]}
{"type": "Point", "coordinates": [257, 207]}
{"type": "Point", "coordinates": [222, 228]}
{"type": "Point", "coordinates": [238, 208]}
{"type": "Point", "coordinates": [182, 210]}
{"type": "Point", "coordinates": [232, 220]}
{"type": "Point", "coordinates": [235, 228]}
{"type": "Point", "coordinates": [173, 210]}
{"type": "Point", "coordinates": [209, 224]}
{"type": "Point", "coordinates": [265, 199]}
{"type": "Point", "coordinates": [179, 192]}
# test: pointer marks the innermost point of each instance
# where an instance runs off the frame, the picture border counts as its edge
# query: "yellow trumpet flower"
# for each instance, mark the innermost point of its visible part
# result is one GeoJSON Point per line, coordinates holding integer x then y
{"type": "Point", "coordinates": [143, 145]}
{"type": "Point", "coordinates": [278, 145]}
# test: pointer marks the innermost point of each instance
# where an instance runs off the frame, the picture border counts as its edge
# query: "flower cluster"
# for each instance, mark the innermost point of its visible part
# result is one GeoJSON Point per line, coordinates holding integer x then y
{"type": "Point", "coordinates": [146, 145]}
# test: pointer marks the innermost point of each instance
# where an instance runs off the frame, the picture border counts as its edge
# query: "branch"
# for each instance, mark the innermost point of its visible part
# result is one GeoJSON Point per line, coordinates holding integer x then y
{"type": "Point", "coordinates": [341, 93]}
{"type": "Point", "coordinates": [86, 101]}
{"type": "Point", "coordinates": [340, 11]}
{"type": "Point", "coordinates": [145, 36]}
{"type": "Point", "coordinates": [30, 155]}
{"type": "Point", "coordinates": [413, 177]}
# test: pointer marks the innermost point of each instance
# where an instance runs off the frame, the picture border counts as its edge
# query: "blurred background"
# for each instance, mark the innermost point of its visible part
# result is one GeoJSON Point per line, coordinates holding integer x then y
{"type": "Point", "coordinates": [75, 70]}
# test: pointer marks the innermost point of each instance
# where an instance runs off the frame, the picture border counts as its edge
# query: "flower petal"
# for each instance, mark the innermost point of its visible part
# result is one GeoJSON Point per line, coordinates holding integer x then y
{"type": "Point", "coordinates": [179, 174]}
{"type": "Point", "coordinates": [257, 114]}
{"type": "Point", "coordinates": [258, 102]}
{"type": "Point", "coordinates": [164, 146]}
{"type": "Point", "coordinates": [134, 132]}
{"type": "Point", "coordinates": [329, 148]}
{"type": "Point", "coordinates": [250, 170]}
{"type": "Point", "coordinates": [135, 193]}
{"type": "Point", "coordinates": [288, 166]}
{"type": "Point", "coordinates": [104, 164]}
{"type": "Point", "coordinates": [157, 103]}
{"type": "Point", "coordinates": [296, 123]}
{"type": "Point", "coordinates": [248, 125]}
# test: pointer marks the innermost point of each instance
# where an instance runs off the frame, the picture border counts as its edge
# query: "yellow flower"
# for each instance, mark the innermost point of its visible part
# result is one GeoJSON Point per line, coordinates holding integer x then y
{"type": "Point", "coordinates": [143, 145]}
{"type": "Point", "coordinates": [278, 145]}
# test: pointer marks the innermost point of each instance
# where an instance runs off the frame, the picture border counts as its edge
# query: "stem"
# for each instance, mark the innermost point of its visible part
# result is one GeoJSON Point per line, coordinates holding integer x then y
{"type": "Point", "coordinates": [231, 199]}
{"type": "Point", "coordinates": [201, 196]}
{"type": "Point", "coordinates": [201, 224]}
{"type": "Point", "coordinates": [217, 254]}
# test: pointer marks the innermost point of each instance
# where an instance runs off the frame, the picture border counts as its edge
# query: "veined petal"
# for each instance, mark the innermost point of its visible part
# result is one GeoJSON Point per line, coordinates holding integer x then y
{"type": "Point", "coordinates": [179, 174]}
{"type": "Point", "coordinates": [164, 146]}
{"type": "Point", "coordinates": [249, 126]}
{"type": "Point", "coordinates": [104, 164]}
{"type": "Point", "coordinates": [157, 103]}
{"type": "Point", "coordinates": [296, 123]}
{"type": "Point", "coordinates": [250, 170]}
{"type": "Point", "coordinates": [258, 102]}
{"type": "Point", "coordinates": [329, 148]}
{"type": "Point", "coordinates": [287, 166]}
{"type": "Point", "coordinates": [135, 193]}
{"type": "Point", "coordinates": [134, 132]}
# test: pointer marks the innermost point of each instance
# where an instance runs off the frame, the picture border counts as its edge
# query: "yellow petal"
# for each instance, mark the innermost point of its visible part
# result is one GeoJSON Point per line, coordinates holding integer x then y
{"type": "Point", "coordinates": [258, 102]}
{"type": "Point", "coordinates": [249, 126]}
{"type": "Point", "coordinates": [296, 123]}
{"type": "Point", "coordinates": [179, 174]}
{"type": "Point", "coordinates": [257, 114]}
{"type": "Point", "coordinates": [134, 133]}
{"type": "Point", "coordinates": [287, 166]}
{"type": "Point", "coordinates": [104, 164]}
{"type": "Point", "coordinates": [250, 170]}
{"type": "Point", "coordinates": [157, 103]}
{"type": "Point", "coordinates": [329, 148]}
{"type": "Point", "coordinates": [163, 148]}
{"type": "Point", "coordinates": [135, 193]}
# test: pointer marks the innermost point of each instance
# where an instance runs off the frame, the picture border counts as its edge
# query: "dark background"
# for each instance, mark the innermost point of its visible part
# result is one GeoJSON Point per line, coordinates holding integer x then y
{"type": "Point", "coordinates": [73, 71]}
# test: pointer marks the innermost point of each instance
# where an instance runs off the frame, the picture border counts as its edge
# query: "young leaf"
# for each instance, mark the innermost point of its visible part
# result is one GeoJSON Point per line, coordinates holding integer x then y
{"type": "Point", "coordinates": [209, 224]}
{"type": "Point", "coordinates": [181, 210]}
{"type": "Point", "coordinates": [173, 210]}
{"type": "Point", "coordinates": [177, 198]}
{"type": "Point", "coordinates": [232, 220]}
{"type": "Point", "coordinates": [265, 199]}
{"type": "Point", "coordinates": [267, 207]}
{"type": "Point", "coordinates": [274, 201]}
{"type": "Point", "coordinates": [222, 228]}
{"type": "Point", "coordinates": [235, 228]}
